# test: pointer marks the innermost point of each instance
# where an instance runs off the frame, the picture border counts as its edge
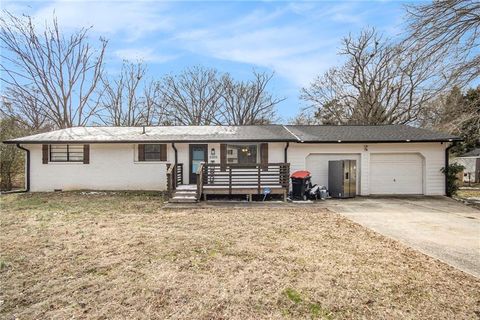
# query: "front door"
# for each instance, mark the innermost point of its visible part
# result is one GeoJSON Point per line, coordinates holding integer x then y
{"type": "Point", "coordinates": [198, 154]}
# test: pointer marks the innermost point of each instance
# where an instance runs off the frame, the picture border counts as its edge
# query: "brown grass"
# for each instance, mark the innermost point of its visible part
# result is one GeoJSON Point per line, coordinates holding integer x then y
{"type": "Point", "coordinates": [468, 193]}
{"type": "Point", "coordinates": [69, 255]}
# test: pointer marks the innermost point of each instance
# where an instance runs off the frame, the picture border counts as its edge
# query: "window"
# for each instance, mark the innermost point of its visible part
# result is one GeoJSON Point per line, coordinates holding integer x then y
{"type": "Point", "coordinates": [242, 153]}
{"type": "Point", "coordinates": [66, 153]}
{"type": "Point", "coordinates": [152, 152]}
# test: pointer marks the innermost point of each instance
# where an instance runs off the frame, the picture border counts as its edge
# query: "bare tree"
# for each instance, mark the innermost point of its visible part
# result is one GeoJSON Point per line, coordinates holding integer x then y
{"type": "Point", "coordinates": [380, 83]}
{"type": "Point", "coordinates": [154, 110]}
{"type": "Point", "coordinates": [305, 117]}
{"type": "Point", "coordinates": [120, 99]}
{"type": "Point", "coordinates": [131, 100]}
{"type": "Point", "coordinates": [62, 71]}
{"type": "Point", "coordinates": [25, 108]}
{"type": "Point", "coordinates": [247, 102]}
{"type": "Point", "coordinates": [458, 113]}
{"type": "Point", "coordinates": [193, 96]}
{"type": "Point", "coordinates": [449, 30]}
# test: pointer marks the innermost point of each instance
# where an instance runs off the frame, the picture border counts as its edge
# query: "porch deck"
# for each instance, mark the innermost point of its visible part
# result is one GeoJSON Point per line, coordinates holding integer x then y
{"type": "Point", "coordinates": [235, 179]}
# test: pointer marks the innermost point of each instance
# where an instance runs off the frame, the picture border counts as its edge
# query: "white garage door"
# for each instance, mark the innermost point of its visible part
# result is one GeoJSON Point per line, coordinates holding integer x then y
{"type": "Point", "coordinates": [396, 174]}
{"type": "Point", "coordinates": [317, 164]}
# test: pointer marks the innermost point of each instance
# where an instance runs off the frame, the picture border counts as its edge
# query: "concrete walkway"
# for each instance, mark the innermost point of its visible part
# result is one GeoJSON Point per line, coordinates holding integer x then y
{"type": "Point", "coordinates": [437, 226]}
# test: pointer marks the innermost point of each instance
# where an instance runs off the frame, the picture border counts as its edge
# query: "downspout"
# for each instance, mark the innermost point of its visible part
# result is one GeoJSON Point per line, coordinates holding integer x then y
{"type": "Point", "coordinates": [285, 155]}
{"type": "Point", "coordinates": [176, 153]}
{"type": "Point", "coordinates": [447, 163]}
{"type": "Point", "coordinates": [27, 170]}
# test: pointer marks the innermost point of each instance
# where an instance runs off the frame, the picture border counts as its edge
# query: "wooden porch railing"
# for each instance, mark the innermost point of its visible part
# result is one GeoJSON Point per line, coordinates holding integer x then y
{"type": "Point", "coordinates": [199, 181]}
{"type": "Point", "coordinates": [255, 175]}
{"type": "Point", "coordinates": [179, 174]}
{"type": "Point", "coordinates": [174, 176]}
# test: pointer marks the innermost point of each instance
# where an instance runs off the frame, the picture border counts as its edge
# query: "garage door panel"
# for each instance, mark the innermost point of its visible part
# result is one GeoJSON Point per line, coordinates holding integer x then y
{"type": "Point", "coordinates": [396, 174]}
{"type": "Point", "coordinates": [317, 164]}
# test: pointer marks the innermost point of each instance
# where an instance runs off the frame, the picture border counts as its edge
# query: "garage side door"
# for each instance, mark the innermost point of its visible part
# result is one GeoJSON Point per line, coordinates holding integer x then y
{"type": "Point", "coordinates": [396, 174]}
{"type": "Point", "coordinates": [317, 164]}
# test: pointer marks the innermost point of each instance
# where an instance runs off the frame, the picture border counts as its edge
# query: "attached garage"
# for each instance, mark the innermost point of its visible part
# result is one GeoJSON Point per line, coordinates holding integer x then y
{"type": "Point", "coordinates": [392, 159]}
{"type": "Point", "coordinates": [317, 164]}
{"type": "Point", "coordinates": [400, 173]}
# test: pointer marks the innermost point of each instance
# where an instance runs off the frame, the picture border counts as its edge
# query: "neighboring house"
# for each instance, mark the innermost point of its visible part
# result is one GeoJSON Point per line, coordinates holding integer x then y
{"type": "Point", "coordinates": [471, 162]}
{"type": "Point", "coordinates": [391, 159]}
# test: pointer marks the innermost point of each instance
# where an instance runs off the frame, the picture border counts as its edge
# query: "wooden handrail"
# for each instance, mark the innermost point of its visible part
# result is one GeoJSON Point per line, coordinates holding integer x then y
{"type": "Point", "coordinates": [170, 179]}
{"type": "Point", "coordinates": [199, 181]}
{"type": "Point", "coordinates": [254, 165]}
{"type": "Point", "coordinates": [254, 175]}
{"type": "Point", "coordinates": [174, 176]}
{"type": "Point", "coordinates": [179, 174]}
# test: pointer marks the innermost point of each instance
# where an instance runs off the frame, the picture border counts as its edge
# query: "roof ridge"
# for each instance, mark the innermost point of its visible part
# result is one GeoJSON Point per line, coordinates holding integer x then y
{"type": "Point", "coordinates": [293, 134]}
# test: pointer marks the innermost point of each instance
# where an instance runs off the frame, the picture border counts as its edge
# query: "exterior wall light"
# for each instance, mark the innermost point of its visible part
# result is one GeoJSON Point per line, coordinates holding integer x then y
{"type": "Point", "coordinates": [212, 152]}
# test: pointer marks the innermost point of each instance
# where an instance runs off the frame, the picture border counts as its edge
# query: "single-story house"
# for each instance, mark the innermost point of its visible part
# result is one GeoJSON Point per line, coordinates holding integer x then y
{"type": "Point", "coordinates": [390, 159]}
{"type": "Point", "coordinates": [471, 162]}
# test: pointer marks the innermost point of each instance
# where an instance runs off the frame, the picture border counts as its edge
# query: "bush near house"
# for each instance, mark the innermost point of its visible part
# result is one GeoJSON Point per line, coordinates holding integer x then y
{"type": "Point", "coordinates": [452, 177]}
{"type": "Point", "coordinates": [11, 158]}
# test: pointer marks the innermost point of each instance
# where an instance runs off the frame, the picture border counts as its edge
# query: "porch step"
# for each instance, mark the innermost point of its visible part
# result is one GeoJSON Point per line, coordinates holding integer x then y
{"type": "Point", "coordinates": [187, 187]}
{"type": "Point", "coordinates": [182, 200]}
{"type": "Point", "coordinates": [184, 194]}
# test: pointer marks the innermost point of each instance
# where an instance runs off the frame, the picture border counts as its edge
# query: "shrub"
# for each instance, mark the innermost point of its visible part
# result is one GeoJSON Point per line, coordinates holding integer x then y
{"type": "Point", "coordinates": [451, 173]}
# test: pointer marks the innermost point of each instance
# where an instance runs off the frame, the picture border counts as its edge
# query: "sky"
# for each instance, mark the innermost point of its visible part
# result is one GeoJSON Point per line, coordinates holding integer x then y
{"type": "Point", "coordinates": [296, 40]}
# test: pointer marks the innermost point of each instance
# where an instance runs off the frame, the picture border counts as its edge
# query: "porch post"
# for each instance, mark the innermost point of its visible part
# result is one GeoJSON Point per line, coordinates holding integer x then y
{"type": "Point", "coordinates": [175, 152]}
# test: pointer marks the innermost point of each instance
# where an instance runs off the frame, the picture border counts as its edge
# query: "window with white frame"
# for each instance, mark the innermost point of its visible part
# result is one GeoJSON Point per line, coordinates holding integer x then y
{"type": "Point", "coordinates": [66, 153]}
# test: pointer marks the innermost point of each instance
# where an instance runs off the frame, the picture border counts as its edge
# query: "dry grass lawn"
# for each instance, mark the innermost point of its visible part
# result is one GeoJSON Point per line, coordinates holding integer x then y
{"type": "Point", "coordinates": [71, 255]}
{"type": "Point", "coordinates": [469, 193]}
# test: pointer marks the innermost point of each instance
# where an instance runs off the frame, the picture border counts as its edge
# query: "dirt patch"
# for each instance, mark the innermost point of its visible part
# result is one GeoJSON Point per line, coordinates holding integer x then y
{"type": "Point", "coordinates": [121, 255]}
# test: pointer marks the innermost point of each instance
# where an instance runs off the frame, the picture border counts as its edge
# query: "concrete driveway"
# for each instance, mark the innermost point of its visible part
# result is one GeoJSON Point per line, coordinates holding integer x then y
{"type": "Point", "coordinates": [437, 226]}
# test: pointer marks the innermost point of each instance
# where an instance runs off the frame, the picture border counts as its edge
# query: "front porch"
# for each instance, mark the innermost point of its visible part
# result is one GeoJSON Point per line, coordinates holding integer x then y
{"type": "Point", "coordinates": [229, 179]}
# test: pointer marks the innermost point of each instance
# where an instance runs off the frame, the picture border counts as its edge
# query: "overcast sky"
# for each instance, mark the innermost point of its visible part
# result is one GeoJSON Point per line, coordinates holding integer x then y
{"type": "Point", "coordinates": [297, 40]}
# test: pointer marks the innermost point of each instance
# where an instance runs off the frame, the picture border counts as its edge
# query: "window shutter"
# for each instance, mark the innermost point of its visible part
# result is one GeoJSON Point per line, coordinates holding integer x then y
{"type": "Point", "coordinates": [141, 152]}
{"type": "Point", "coordinates": [45, 153]}
{"type": "Point", "coordinates": [163, 152]}
{"type": "Point", "coordinates": [223, 157]}
{"type": "Point", "coordinates": [86, 153]}
{"type": "Point", "coordinates": [264, 156]}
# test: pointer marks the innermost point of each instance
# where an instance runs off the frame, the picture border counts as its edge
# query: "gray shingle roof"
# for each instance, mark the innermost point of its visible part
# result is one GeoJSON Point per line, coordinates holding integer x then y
{"type": "Point", "coordinates": [161, 134]}
{"type": "Point", "coordinates": [473, 153]}
{"type": "Point", "coordinates": [380, 133]}
{"type": "Point", "coordinates": [266, 133]}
